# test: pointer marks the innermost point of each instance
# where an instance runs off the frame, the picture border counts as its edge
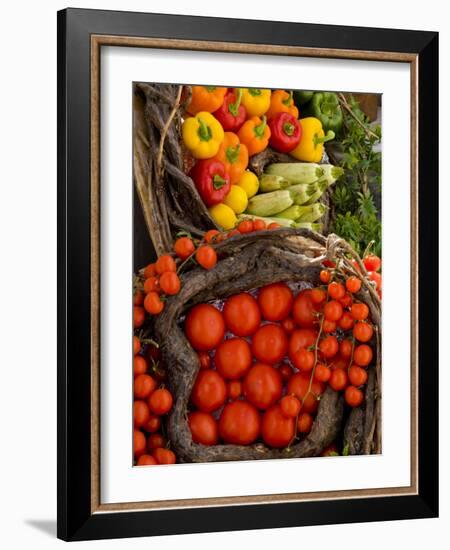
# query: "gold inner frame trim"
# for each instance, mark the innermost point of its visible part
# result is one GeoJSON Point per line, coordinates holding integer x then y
{"type": "Point", "coordinates": [97, 41]}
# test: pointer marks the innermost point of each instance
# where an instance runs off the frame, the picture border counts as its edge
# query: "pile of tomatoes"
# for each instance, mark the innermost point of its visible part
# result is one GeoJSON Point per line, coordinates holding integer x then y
{"type": "Point", "coordinates": [266, 358]}
{"type": "Point", "coordinates": [152, 401]}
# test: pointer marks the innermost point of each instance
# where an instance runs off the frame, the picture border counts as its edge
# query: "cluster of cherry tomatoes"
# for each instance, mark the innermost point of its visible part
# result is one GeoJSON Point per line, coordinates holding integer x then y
{"type": "Point", "coordinates": [161, 278]}
{"type": "Point", "coordinates": [152, 401]}
{"type": "Point", "coordinates": [266, 359]}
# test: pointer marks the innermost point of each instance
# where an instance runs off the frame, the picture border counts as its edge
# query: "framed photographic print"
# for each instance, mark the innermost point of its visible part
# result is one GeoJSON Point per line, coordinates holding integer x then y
{"type": "Point", "coordinates": [247, 274]}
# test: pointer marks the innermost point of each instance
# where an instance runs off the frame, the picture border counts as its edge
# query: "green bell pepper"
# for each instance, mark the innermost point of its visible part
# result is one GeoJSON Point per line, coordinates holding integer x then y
{"type": "Point", "coordinates": [325, 106]}
{"type": "Point", "coordinates": [301, 97]}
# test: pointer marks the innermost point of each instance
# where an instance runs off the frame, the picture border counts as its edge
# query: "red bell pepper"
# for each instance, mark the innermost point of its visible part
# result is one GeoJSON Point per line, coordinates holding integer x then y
{"type": "Point", "coordinates": [211, 180]}
{"type": "Point", "coordinates": [231, 114]}
{"type": "Point", "coordinates": [286, 132]}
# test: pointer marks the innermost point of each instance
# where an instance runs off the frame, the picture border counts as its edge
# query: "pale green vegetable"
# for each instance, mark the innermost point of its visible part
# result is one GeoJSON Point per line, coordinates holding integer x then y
{"type": "Point", "coordinates": [321, 187]}
{"type": "Point", "coordinates": [308, 225]}
{"type": "Point", "coordinates": [282, 221]}
{"type": "Point", "coordinates": [291, 213]}
{"type": "Point", "coordinates": [302, 192]}
{"type": "Point", "coordinates": [312, 212]}
{"type": "Point", "coordinates": [268, 204]}
{"type": "Point", "coordinates": [305, 172]}
{"type": "Point", "coordinates": [268, 183]}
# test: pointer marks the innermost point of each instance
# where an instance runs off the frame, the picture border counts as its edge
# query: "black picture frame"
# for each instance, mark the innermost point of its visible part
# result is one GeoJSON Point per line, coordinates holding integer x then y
{"type": "Point", "coordinates": [75, 518]}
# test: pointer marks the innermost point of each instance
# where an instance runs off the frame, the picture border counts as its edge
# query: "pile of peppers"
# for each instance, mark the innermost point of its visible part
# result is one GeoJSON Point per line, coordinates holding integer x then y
{"type": "Point", "coordinates": [224, 127]}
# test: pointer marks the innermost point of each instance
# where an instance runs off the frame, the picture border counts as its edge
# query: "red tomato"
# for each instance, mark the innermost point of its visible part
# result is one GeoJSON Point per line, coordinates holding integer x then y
{"type": "Point", "coordinates": [301, 338]}
{"type": "Point", "coordinates": [139, 443]}
{"type": "Point", "coordinates": [262, 386]}
{"type": "Point", "coordinates": [362, 331]}
{"type": "Point", "coordinates": [209, 391]}
{"type": "Point", "coordinates": [275, 301]}
{"type": "Point", "coordinates": [233, 358]}
{"type": "Point", "coordinates": [305, 423]}
{"type": "Point", "coordinates": [239, 423]}
{"type": "Point", "coordinates": [372, 262]}
{"type": "Point", "coordinates": [213, 236]}
{"type": "Point", "coordinates": [359, 311]}
{"type": "Point", "coordinates": [144, 384]}
{"type": "Point", "coordinates": [336, 290]}
{"type": "Point", "coordinates": [345, 348]}
{"type": "Point", "coordinates": [164, 456]}
{"type": "Point", "coordinates": [183, 247]}
{"type": "Point", "coordinates": [353, 396]}
{"type": "Point", "coordinates": [259, 225]}
{"type": "Point", "coordinates": [376, 278]}
{"type": "Point", "coordinates": [241, 314]}
{"type": "Point", "coordinates": [153, 424]}
{"type": "Point", "coordinates": [322, 373]}
{"type": "Point", "coordinates": [155, 441]}
{"type": "Point", "coordinates": [318, 295]}
{"type": "Point", "coordinates": [138, 298]}
{"type": "Point", "coordinates": [339, 379]}
{"type": "Point", "coordinates": [328, 326]}
{"type": "Point", "coordinates": [298, 385]}
{"type": "Point", "coordinates": [136, 345]}
{"type": "Point", "coordinates": [269, 344]}
{"type": "Point", "coordinates": [346, 321]}
{"type": "Point", "coordinates": [276, 429]}
{"type": "Point", "coordinates": [303, 359]}
{"type": "Point", "coordinates": [234, 389]}
{"type": "Point", "coordinates": [245, 226]}
{"type": "Point", "coordinates": [333, 310]}
{"type": "Point", "coordinates": [353, 284]}
{"type": "Point", "coordinates": [325, 276]}
{"type": "Point", "coordinates": [331, 450]}
{"type": "Point", "coordinates": [139, 365]}
{"type": "Point", "coordinates": [288, 325]}
{"type": "Point", "coordinates": [146, 460]}
{"type": "Point", "coordinates": [160, 401]}
{"type": "Point", "coordinates": [204, 428]}
{"type": "Point", "coordinates": [141, 414]}
{"type": "Point", "coordinates": [303, 311]}
{"type": "Point", "coordinates": [204, 327]}
{"type": "Point", "coordinates": [362, 355]}
{"type": "Point", "coordinates": [165, 263]}
{"type": "Point", "coordinates": [150, 271]}
{"type": "Point", "coordinates": [206, 256]}
{"type": "Point", "coordinates": [329, 346]}
{"type": "Point", "coordinates": [169, 283]}
{"type": "Point", "coordinates": [152, 284]}
{"type": "Point", "coordinates": [347, 300]}
{"type": "Point", "coordinates": [290, 406]}
{"type": "Point", "coordinates": [153, 303]}
{"type": "Point", "coordinates": [138, 316]}
{"type": "Point", "coordinates": [274, 225]}
{"type": "Point", "coordinates": [357, 375]}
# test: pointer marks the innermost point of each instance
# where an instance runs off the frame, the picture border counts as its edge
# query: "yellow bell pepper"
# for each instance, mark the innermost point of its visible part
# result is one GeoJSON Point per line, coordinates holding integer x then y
{"type": "Point", "coordinates": [236, 199]}
{"type": "Point", "coordinates": [310, 148]}
{"type": "Point", "coordinates": [202, 135]}
{"type": "Point", "coordinates": [223, 215]}
{"type": "Point", "coordinates": [256, 101]}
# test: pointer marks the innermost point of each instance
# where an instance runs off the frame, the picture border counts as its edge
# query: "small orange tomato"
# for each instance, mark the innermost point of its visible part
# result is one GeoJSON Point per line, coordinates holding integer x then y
{"type": "Point", "coordinates": [357, 375]}
{"type": "Point", "coordinates": [164, 456]}
{"type": "Point", "coordinates": [318, 295]}
{"type": "Point", "coordinates": [333, 310]}
{"type": "Point", "coordinates": [151, 285]}
{"type": "Point", "coordinates": [305, 422]}
{"type": "Point", "coordinates": [353, 284]}
{"type": "Point", "coordinates": [328, 326]}
{"type": "Point", "coordinates": [336, 290]}
{"type": "Point", "coordinates": [290, 406]}
{"type": "Point", "coordinates": [362, 355]}
{"type": "Point", "coordinates": [150, 271]}
{"type": "Point", "coordinates": [170, 283]}
{"type": "Point", "coordinates": [325, 276]}
{"type": "Point", "coordinates": [139, 443]}
{"type": "Point", "coordinates": [338, 379]}
{"type": "Point", "coordinates": [362, 331]}
{"type": "Point", "coordinates": [212, 236]}
{"type": "Point", "coordinates": [376, 278]}
{"type": "Point", "coordinates": [274, 225]}
{"type": "Point", "coordinates": [206, 256]}
{"type": "Point", "coordinates": [138, 298]}
{"type": "Point", "coordinates": [259, 225]}
{"type": "Point", "coordinates": [359, 312]}
{"type": "Point", "coordinates": [136, 345]}
{"type": "Point", "coordinates": [183, 247]}
{"type": "Point", "coordinates": [165, 263]}
{"type": "Point", "coordinates": [146, 460]}
{"type": "Point", "coordinates": [245, 226]}
{"type": "Point", "coordinates": [141, 414]}
{"type": "Point", "coordinates": [232, 233]}
{"type": "Point", "coordinates": [153, 303]}
{"type": "Point", "coordinates": [155, 441]}
{"type": "Point", "coordinates": [153, 424]}
{"type": "Point", "coordinates": [138, 316]}
{"type": "Point", "coordinates": [139, 365]}
{"type": "Point", "coordinates": [144, 385]}
{"type": "Point", "coordinates": [160, 401]}
{"type": "Point", "coordinates": [345, 348]}
{"type": "Point", "coordinates": [353, 396]}
{"type": "Point", "coordinates": [346, 321]}
{"type": "Point", "coordinates": [322, 373]}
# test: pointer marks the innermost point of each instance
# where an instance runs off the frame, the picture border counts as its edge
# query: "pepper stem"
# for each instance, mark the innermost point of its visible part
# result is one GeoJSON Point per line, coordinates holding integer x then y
{"type": "Point", "coordinates": [232, 153]}
{"type": "Point", "coordinates": [210, 88]}
{"type": "Point", "coordinates": [328, 137]}
{"type": "Point", "coordinates": [288, 100]}
{"type": "Point", "coordinates": [288, 128]}
{"type": "Point", "coordinates": [204, 131]}
{"type": "Point", "coordinates": [234, 107]}
{"type": "Point", "coordinates": [259, 130]}
{"type": "Point", "coordinates": [218, 182]}
{"type": "Point", "coordinates": [254, 91]}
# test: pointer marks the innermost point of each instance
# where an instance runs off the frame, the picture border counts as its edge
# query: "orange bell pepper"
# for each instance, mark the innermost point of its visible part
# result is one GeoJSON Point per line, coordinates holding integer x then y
{"type": "Point", "coordinates": [255, 134]}
{"type": "Point", "coordinates": [281, 102]}
{"type": "Point", "coordinates": [206, 98]}
{"type": "Point", "coordinates": [234, 155]}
